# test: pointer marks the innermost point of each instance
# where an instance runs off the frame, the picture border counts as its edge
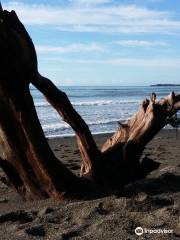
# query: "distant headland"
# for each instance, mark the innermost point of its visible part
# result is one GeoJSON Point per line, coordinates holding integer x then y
{"type": "Point", "coordinates": [165, 85]}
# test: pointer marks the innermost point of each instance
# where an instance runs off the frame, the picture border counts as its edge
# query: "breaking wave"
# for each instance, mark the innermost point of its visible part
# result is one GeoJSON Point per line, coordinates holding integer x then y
{"type": "Point", "coordinates": [93, 103]}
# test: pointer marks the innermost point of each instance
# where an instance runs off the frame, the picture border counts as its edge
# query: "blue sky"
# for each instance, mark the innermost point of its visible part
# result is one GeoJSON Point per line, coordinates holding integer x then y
{"type": "Point", "coordinates": [104, 42]}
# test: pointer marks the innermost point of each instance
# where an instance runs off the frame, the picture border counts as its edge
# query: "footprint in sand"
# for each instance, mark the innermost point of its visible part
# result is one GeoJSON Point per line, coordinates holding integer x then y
{"type": "Point", "coordinates": [148, 203]}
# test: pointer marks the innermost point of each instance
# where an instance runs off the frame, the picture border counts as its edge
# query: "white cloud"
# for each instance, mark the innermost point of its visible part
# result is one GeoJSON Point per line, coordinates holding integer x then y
{"type": "Point", "coordinates": [141, 43]}
{"type": "Point", "coordinates": [137, 62]}
{"type": "Point", "coordinates": [88, 3]}
{"type": "Point", "coordinates": [155, 1]}
{"type": "Point", "coordinates": [134, 62]}
{"type": "Point", "coordinates": [76, 47]}
{"type": "Point", "coordinates": [96, 17]}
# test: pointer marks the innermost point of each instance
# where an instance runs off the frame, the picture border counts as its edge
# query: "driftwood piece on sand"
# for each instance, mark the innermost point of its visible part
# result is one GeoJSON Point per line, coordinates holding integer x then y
{"type": "Point", "coordinates": [28, 162]}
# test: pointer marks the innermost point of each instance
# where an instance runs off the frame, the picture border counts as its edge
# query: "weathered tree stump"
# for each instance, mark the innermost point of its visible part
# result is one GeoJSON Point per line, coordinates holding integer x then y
{"type": "Point", "coordinates": [28, 162]}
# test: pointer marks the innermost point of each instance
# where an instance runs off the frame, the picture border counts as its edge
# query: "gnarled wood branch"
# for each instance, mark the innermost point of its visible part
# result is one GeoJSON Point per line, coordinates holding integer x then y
{"type": "Point", "coordinates": [143, 126]}
{"type": "Point", "coordinates": [89, 152]}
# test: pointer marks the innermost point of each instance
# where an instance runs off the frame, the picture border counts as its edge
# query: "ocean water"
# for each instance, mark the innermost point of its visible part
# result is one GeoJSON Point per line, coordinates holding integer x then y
{"type": "Point", "coordinates": [101, 107]}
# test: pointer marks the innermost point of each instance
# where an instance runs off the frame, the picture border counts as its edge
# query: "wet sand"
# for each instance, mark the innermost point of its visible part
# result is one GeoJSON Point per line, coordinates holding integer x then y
{"type": "Point", "coordinates": [152, 203]}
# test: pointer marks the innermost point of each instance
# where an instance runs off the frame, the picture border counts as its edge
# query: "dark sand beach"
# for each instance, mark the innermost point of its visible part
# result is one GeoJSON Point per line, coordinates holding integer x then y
{"type": "Point", "coordinates": [152, 203]}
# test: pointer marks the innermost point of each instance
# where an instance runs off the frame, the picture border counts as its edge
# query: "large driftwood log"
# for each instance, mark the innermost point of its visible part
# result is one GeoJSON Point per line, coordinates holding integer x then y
{"type": "Point", "coordinates": [21, 136]}
{"type": "Point", "coordinates": [29, 163]}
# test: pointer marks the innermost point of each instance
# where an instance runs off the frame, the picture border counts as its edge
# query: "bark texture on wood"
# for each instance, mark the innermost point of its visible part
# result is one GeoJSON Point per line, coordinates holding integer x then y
{"type": "Point", "coordinates": [89, 152]}
{"type": "Point", "coordinates": [26, 148]}
{"type": "Point", "coordinates": [152, 116]}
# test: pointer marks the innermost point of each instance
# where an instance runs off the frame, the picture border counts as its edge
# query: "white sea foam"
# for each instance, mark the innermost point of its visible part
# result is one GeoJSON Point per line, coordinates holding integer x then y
{"type": "Point", "coordinates": [94, 103]}
{"type": "Point", "coordinates": [73, 134]}
{"type": "Point", "coordinates": [63, 125]}
{"type": "Point", "coordinates": [41, 104]}
{"type": "Point", "coordinates": [54, 126]}
{"type": "Point", "coordinates": [104, 102]}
